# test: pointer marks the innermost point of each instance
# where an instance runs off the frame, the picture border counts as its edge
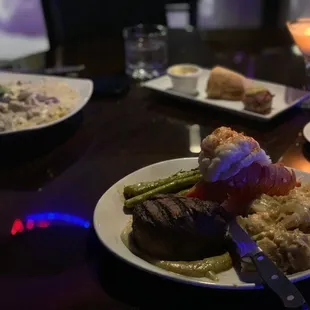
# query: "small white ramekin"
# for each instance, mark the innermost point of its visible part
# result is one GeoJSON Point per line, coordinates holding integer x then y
{"type": "Point", "coordinates": [184, 83]}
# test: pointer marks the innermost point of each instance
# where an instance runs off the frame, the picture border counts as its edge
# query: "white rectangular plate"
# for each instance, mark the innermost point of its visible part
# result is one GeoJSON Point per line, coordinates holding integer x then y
{"type": "Point", "coordinates": [284, 99]}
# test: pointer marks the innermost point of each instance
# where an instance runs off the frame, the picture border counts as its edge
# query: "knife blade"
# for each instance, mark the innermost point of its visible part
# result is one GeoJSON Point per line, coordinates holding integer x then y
{"type": "Point", "coordinates": [272, 277]}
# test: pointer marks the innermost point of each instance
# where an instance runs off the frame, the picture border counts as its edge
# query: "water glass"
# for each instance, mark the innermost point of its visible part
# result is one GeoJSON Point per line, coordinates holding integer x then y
{"type": "Point", "coordinates": [146, 51]}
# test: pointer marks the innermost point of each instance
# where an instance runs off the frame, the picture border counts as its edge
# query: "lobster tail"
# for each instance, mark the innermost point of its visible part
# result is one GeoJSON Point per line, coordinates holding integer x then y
{"type": "Point", "coordinates": [251, 182]}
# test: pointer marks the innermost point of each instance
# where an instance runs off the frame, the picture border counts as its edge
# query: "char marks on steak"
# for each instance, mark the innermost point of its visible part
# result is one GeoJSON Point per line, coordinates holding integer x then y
{"type": "Point", "coordinates": [171, 227]}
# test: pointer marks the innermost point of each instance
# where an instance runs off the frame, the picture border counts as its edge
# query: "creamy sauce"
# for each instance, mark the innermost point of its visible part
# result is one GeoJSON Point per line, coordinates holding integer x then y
{"type": "Point", "coordinates": [255, 90]}
{"type": "Point", "coordinates": [207, 267]}
{"type": "Point", "coordinates": [183, 70]}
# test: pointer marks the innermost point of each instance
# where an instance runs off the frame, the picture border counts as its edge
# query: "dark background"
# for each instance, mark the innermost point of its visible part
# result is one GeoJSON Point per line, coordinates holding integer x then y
{"type": "Point", "coordinates": [98, 24]}
{"type": "Point", "coordinates": [66, 168]}
{"type": "Point", "coordinates": [71, 20]}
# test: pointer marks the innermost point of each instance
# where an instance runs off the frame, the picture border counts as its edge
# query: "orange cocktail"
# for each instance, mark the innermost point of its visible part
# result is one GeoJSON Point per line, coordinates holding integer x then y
{"type": "Point", "coordinates": [300, 31]}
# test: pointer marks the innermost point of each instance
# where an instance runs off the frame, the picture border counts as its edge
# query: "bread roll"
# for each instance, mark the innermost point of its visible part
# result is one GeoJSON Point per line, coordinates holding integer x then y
{"type": "Point", "coordinates": [225, 84]}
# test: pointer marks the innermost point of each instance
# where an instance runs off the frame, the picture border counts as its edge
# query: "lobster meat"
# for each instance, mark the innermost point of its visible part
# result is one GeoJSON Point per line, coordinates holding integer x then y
{"type": "Point", "coordinates": [237, 192]}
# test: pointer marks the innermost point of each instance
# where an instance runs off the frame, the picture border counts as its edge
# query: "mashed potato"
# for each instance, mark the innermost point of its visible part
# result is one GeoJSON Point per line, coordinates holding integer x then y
{"type": "Point", "coordinates": [281, 227]}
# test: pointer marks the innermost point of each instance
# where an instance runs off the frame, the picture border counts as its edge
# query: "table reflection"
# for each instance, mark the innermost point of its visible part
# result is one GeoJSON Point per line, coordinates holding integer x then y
{"type": "Point", "coordinates": [44, 220]}
{"type": "Point", "coordinates": [298, 155]}
{"type": "Point", "coordinates": [194, 139]}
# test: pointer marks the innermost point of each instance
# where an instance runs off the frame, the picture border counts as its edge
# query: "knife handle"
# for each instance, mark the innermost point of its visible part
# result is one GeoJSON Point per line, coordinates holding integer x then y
{"type": "Point", "coordinates": [278, 282]}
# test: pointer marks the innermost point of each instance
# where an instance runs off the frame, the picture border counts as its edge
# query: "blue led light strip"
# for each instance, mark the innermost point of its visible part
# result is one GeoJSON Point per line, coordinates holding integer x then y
{"type": "Point", "coordinates": [57, 216]}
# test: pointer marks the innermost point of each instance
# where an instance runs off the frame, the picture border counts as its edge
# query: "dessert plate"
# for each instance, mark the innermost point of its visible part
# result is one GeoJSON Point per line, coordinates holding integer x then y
{"type": "Point", "coordinates": [284, 97]}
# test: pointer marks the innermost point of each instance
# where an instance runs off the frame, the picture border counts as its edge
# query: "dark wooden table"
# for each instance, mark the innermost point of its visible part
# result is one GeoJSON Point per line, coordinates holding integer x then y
{"type": "Point", "coordinates": [50, 259]}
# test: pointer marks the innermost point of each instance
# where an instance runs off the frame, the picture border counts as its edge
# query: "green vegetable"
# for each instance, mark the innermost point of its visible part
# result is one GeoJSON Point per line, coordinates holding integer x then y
{"type": "Point", "coordinates": [4, 90]}
{"type": "Point", "coordinates": [207, 267]}
{"type": "Point", "coordinates": [184, 192]}
{"type": "Point", "coordinates": [171, 187]}
{"type": "Point", "coordinates": [143, 187]}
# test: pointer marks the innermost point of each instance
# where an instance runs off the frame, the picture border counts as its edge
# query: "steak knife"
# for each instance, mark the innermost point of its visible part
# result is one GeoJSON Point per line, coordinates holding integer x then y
{"type": "Point", "coordinates": [272, 277]}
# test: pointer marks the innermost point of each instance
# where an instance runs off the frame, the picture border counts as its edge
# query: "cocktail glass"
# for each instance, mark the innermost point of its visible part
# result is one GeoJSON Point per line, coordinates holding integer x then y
{"type": "Point", "coordinates": [300, 31]}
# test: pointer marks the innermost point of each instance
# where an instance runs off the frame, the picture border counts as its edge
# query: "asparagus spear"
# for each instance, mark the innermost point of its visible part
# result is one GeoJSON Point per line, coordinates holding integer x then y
{"type": "Point", "coordinates": [184, 192]}
{"type": "Point", "coordinates": [171, 187]}
{"type": "Point", "coordinates": [207, 267]}
{"type": "Point", "coordinates": [143, 187]}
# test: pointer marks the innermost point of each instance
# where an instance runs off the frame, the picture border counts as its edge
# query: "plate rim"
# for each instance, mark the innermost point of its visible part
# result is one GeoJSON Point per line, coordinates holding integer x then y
{"type": "Point", "coordinates": [306, 136]}
{"type": "Point", "coordinates": [173, 276]}
{"type": "Point", "coordinates": [83, 99]}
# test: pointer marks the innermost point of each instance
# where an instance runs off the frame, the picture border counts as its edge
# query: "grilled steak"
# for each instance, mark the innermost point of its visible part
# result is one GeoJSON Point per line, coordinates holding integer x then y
{"type": "Point", "coordinates": [170, 227]}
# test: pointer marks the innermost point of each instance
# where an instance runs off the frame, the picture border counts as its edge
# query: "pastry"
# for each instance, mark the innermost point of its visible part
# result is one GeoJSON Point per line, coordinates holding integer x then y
{"type": "Point", "coordinates": [225, 84]}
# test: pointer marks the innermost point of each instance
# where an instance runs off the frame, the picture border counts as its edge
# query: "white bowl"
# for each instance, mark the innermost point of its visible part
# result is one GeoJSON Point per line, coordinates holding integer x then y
{"type": "Point", "coordinates": [183, 80]}
{"type": "Point", "coordinates": [83, 87]}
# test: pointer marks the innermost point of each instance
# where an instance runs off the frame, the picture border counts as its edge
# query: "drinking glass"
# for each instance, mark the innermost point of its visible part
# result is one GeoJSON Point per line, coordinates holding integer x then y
{"type": "Point", "coordinates": [300, 32]}
{"type": "Point", "coordinates": [145, 51]}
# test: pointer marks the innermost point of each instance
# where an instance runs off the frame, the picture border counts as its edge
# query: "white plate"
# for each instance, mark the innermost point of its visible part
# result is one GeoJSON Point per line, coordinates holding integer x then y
{"type": "Point", "coordinates": [306, 132]}
{"type": "Point", "coordinates": [83, 87]}
{"type": "Point", "coordinates": [285, 97]}
{"type": "Point", "coordinates": [110, 220]}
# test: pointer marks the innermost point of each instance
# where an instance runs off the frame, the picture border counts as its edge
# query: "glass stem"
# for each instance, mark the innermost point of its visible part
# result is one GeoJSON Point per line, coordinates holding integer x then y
{"type": "Point", "coordinates": [307, 66]}
{"type": "Point", "coordinates": [306, 103]}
